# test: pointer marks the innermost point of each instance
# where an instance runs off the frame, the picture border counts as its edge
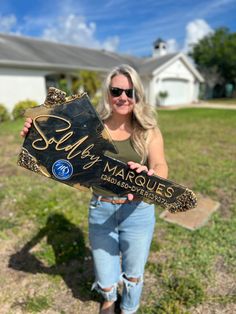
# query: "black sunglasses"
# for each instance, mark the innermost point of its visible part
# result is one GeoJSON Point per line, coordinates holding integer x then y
{"type": "Point", "coordinates": [116, 92]}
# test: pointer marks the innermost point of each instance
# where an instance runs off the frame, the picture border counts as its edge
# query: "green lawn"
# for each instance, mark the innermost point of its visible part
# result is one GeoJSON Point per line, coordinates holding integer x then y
{"type": "Point", "coordinates": [185, 268]}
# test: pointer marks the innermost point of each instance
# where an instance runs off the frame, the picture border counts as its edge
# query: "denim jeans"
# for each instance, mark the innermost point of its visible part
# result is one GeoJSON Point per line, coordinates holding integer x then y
{"type": "Point", "coordinates": [120, 238]}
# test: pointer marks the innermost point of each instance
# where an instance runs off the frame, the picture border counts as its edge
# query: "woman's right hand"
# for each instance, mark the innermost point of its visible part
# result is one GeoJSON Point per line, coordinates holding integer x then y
{"type": "Point", "coordinates": [26, 127]}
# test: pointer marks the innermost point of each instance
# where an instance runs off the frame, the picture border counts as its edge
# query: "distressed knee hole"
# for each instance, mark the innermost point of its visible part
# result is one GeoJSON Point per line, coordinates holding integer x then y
{"type": "Point", "coordinates": [132, 279]}
{"type": "Point", "coordinates": [107, 289]}
{"type": "Point", "coordinates": [109, 294]}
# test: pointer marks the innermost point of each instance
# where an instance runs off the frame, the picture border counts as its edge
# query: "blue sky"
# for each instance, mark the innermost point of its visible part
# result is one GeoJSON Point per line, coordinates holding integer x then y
{"type": "Point", "coordinates": [124, 26]}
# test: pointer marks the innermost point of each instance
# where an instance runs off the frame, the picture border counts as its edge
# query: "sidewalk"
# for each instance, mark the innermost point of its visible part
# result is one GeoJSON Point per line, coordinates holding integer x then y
{"type": "Point", "coordinates": [200, 105]}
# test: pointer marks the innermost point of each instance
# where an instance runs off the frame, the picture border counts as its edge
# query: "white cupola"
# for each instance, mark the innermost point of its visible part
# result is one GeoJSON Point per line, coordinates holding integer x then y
{"type": "Point", "coordinates": [159, 48]}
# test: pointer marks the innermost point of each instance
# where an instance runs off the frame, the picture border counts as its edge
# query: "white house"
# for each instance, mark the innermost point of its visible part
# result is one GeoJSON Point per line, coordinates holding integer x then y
{"type": "Point", "coordinates": [29, 66]}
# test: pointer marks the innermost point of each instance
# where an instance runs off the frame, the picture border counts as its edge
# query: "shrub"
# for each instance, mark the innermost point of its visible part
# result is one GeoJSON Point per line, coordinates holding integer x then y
{"type": "Point", "coordinates": [4, 115]}
{"type": "Point", "coordinates": [95, 100]}
{"type": "Point", "coordinates": [162, 95]}
{"type": "Point", "coordinates": [63, 85]}
{"type": "Point", "coordinates": [21, 106]}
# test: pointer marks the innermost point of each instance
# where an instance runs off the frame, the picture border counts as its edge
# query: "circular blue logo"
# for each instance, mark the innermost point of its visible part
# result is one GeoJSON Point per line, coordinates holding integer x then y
{"type": "Point", "coordinates": [62, 169]}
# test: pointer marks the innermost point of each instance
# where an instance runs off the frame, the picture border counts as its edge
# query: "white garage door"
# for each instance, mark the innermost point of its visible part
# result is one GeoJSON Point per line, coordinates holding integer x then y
{"type": "Point", "coordinates": [178, 91]}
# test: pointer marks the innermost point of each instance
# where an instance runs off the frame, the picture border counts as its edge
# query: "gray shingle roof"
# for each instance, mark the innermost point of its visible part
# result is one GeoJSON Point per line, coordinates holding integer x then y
{"type": "Point", "coordinates": [151, 64]}
{"type": "Point", "coordinates": [18, 51]}
{"type": "Point", "coordinates": [29, 52]}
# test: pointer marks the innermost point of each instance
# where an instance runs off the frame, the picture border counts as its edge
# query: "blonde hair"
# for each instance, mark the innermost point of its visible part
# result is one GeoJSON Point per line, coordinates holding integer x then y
{"type": "Point", "coordinates": [143, 118]}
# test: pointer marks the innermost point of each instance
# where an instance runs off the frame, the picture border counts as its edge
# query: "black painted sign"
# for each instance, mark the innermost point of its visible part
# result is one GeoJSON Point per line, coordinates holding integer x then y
{"type": "Point", "coordinates": [68, 143]}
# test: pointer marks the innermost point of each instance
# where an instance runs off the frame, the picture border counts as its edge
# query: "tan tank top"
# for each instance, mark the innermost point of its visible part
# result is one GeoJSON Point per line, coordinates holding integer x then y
{"type": "Point", "coordinates": [126, 153]}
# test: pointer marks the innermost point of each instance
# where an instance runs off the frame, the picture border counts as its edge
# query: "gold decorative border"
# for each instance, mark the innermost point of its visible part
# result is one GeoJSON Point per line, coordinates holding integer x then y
{"type": "Point", "coordinates": [57, 97]}
{"type": "Point", "coordinates": [26, 160]}
{"type": "Point", "coordinates": [184, 202]}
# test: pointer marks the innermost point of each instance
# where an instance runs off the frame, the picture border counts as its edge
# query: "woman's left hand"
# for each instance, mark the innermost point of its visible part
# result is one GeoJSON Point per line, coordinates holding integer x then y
{"type": "Point", "coordinates": [138, 168]}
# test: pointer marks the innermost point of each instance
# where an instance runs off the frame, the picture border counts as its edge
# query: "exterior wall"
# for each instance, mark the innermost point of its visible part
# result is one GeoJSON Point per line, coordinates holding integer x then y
{"type": "Point", "coordinates": [146, 86]}
{"type": "Point", "coordinates": [178, 81]}
{"type": "Point", "coordinates": [196, 91]}
{"type": "Point", "coordinates": [19, 84]}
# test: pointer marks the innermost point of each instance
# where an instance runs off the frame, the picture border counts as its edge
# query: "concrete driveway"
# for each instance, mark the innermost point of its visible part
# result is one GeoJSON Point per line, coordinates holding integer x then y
{"type": "Point", "coordinates": [201, 105]}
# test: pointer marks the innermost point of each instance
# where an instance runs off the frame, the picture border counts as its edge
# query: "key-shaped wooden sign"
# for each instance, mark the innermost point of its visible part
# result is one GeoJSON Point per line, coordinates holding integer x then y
{"type": "Point", "coordinates": [68, 142]}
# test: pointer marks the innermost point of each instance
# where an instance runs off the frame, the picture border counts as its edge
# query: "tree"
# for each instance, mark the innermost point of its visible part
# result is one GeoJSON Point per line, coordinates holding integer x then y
{"type": "Point", "coordinates": [88, 81]}
{"type": "Point", "coordinates": [63, 85]}
{"type": "Point", "coordinates": [215, 55]}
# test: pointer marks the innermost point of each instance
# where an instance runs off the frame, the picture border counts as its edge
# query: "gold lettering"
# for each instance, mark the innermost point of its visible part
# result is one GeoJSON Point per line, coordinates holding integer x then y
{"type": "Point", "coordinates": [159, 189]}
{"type": "Point", "coordinates": [62, 140]}
{"type": "Point", "coordinates": [151, 188]}
{"type": "Point", "coordinates": [138, 190]}
{"type": "Point", "coordinates": [169, 192]}
{"type": "Point", "coordinates": [86, 153]}
{"type": "Point", "coordinates": [121, 174]}
{"type": "Point", "coordinates": [140, 180]}
{"type": "Point", "coordinates": [107, 168]}
{"type": "Point", "coordinates": [94, 159]}
{"type": "Point", "coordinates": [130, 175]}
{"type": "Point", "coordinates": [43, 137]}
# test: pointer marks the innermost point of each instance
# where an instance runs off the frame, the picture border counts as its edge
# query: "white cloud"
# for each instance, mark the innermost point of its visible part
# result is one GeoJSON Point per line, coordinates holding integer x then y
{"type": "Point", "coordinates": [74, 30]}
{"type": "Point", "coordinates": [7, 23]}
{"type": "Point", "coordinates": [111, 43]}
{"type": "Point", "coordinates": [195, 31]}
{"type": "Point", "coordinates": [172, 45]}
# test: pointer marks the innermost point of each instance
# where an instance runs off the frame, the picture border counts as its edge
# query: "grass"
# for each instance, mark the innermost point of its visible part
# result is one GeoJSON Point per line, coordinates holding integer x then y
{"type": "Point", "coordinates": [37, 304]}
{"type": "Point", "coordinates": [6, 224]}
{"type": "Point", "coordinates": [49, 220]}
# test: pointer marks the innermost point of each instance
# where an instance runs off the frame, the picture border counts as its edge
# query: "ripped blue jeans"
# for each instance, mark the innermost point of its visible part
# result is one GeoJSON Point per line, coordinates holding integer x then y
{"type": "Point", "coordinates": [120, 238]}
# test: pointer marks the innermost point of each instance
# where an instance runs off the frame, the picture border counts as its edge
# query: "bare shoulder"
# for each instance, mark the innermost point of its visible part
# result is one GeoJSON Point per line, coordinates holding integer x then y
{"type": "Point", "coordinates": [156, 154]}
{"type": "Point", "coordinates": [155, 136]}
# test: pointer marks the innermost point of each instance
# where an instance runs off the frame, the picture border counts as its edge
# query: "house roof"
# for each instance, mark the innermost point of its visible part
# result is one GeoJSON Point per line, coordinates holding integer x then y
{"type": "Point", "coordinates": [151, 64]}
{"type": "Point", "coordinates": [26, 52]}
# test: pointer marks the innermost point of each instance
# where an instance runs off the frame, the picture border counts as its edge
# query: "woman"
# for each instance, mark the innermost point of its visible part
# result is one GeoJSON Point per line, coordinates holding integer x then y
{"type": "Point", "coordinates": [121, 228]}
